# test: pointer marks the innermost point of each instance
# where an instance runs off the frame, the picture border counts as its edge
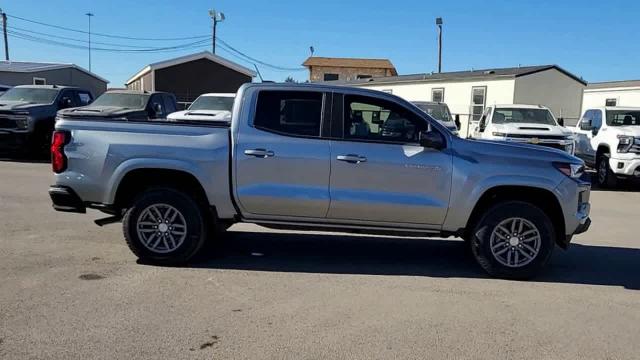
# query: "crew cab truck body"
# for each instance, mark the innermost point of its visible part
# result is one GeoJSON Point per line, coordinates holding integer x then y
{"type": "Point", "coordinates": [296, 156]}
{"type": "Point", "coordinates": [528, 124]}
{"type": "Point", "coordinates": [129, 105]}
{"type": "Point", "coordinates": [28, 112]}
{"type": "Point", "coordinates": [608, 138]}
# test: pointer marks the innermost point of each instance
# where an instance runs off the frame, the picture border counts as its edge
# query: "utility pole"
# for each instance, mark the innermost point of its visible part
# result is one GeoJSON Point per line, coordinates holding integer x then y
{"type": "Point", "coordinates": [89, 15]}
{"type": "Point", "coordinates": [439, 24]}
{"type": "Point", "coordinates": [4, 30]}
{"type": "Point", "coordinates": [216, 17]}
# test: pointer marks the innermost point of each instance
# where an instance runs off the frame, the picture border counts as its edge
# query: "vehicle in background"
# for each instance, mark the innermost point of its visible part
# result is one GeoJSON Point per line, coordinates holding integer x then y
{"type": "Point", "coordinates": [290, 160]}
{"type": "Point", "coordinates": [127, 105]}
{"type": "Point", "coordinates": [440, 112]}
{"type": "Point", "coordinates": [28, 112]}
{"type": "Point", "coordinates": [207, 107]}
{"type": "Point", "coordinates": [4, 88]}
{"type": "Point", "coordinates": [608, 138]}
{"type": "Point", "coordinates": [525, 124]}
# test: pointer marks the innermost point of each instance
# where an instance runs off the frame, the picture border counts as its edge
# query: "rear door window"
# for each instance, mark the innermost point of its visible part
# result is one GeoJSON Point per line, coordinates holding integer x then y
{"type": "Point", "coordinates": [84, 98]}
{"type": "Point", "coordinates": [294, 113]}
{"type": "Point", "coordinates": [169, 104]}
{"type": "Point", "coordinates": [157, 106]}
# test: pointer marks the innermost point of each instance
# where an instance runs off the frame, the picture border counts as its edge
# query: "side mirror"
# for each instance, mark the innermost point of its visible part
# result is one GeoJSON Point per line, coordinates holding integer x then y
{"type": "Point", "coordinates": [432, 139]}
{"type": "Point", "coordinates": [65, 102]}
{"type": "Point", "coordinates": [594, 131]}
{"type": "Point", "coordinates": [457, 121]}
{"type": "Point", "coordinates": [586, 125]}
{"type": "Point", "coordinates": [561, 121]}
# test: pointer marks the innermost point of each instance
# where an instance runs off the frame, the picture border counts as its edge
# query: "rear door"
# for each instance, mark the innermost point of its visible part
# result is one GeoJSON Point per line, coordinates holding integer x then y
{"type": "Point", "coordinates": [379, 172]}
{"type": "Point", "coordinates": [281, 159]}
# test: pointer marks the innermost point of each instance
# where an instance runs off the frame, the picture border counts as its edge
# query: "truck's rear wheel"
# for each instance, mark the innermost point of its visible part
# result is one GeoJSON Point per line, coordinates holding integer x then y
{"type": "Point", "coordinates": [513, 240]}
{"type": "Point", "coordinates": [165, 226]}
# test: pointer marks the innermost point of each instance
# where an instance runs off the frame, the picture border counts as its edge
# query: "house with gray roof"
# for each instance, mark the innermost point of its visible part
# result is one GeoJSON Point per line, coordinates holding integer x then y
{"type": "Point", "coordinates": [469, 92]}
{"type": "Point", "coordinates": [14, 73]}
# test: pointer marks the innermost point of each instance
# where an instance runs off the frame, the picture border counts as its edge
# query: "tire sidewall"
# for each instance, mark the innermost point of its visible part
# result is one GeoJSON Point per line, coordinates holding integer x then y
{"type": "Point", "coordinates": [196, 230]}
{"type": "Point", "coordinates": [481, 245]}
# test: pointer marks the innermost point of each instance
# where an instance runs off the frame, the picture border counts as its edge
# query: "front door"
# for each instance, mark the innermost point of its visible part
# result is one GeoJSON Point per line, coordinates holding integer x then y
{"type": "Point", "coordinates": [584, 133]}
{"type": "Point", "coordinates": [282, 163]}
{"type": "Point", "coordinates": [379, 173]}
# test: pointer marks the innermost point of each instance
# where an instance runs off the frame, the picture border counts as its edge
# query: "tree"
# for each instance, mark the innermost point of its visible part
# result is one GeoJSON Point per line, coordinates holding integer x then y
{"type": "Point", "coordinates": [290, 79]}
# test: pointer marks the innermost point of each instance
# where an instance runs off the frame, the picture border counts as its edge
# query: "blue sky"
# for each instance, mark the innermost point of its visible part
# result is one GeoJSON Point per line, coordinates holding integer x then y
{"type": "Point", "coordinates": [596, 40]}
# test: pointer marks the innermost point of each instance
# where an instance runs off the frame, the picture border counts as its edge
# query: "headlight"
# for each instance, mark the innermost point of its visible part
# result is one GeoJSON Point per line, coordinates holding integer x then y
{"type": "Point", "coordinates": [573, 171]}
{"type": "Point", "coordinates": [22, 123]}
{"type": "Point", "coordinates": [569, 148]}
{"type": "Point", "coordinates": [498, 134]}
{"type": "Point", "coordinates": [625, 143]}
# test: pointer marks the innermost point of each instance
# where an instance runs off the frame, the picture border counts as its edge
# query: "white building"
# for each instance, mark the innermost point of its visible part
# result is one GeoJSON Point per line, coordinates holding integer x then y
{"type": "Point", "coordinates": [468, 92]}
{"type": "Point", "coordinates": [613, 93]}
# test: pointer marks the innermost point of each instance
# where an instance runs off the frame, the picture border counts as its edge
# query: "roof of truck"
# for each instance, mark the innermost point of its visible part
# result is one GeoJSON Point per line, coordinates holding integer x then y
{"type": "Point", "coordinates": [519, 106]}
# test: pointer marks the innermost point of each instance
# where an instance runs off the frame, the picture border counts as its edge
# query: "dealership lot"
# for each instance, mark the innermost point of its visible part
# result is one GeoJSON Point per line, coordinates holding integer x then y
{"type": "Point", "coordinates": [70, 289]}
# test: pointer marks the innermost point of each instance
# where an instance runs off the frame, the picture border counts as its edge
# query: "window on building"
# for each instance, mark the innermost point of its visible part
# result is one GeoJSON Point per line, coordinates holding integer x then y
{"type": "Point", "coordinates": [478, 99]}
{"type": "Point", "coordinates": [611, 102]}
{"type": "Point", "coordinates": [331, 77]}
{"type": "Point", "coordinates": [362, 76]}
{"type": "Point", "coordinates": [373, 119]}
{"type": "Point", "coordinates": [39, 81]}
{"type": "Point", "coordinates": [437, 95]}
{"type": "Point", "coordinates": [297, 113]}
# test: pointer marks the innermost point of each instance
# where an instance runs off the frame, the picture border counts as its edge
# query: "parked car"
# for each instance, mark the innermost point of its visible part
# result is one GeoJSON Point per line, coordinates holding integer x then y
{"type": "Point", "coordinates": [207, 107]}
{"type": "Point", "coordinates": [440, 112]}
{"type": "Point", "coordinates": [27, 115]}
{"type": "Point", "coordinates": [127, 105]}
{"type": "Point", "coordinates": [4, 88]}
{"type": "Point", "coordinates": [529, 124]}
{"type": "Point", "coordinates": [608, 138]}
{"type": "Point", "coordinates": [287, 160]}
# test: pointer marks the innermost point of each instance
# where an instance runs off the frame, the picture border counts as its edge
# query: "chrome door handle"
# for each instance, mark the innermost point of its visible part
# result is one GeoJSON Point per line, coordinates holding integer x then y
{"type": "Point", "coordinates": [351, 158]}
{"type": "Point", "coordinates": [262, 153]}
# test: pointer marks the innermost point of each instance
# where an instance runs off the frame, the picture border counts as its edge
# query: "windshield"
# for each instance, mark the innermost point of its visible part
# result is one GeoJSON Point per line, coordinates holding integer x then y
{"type": "Point", "coordinates": [31, 95]}
{"type": "Point", "coordinates": [623, 117]}
{"type": "Point", "coordinates": [122, 100]}
{"type": "Point", "coordinates": [436, 111]}
{"type": "Point", "coordinates": [526, 116]}
{"type": "Point", "coordinates": [212, 103]}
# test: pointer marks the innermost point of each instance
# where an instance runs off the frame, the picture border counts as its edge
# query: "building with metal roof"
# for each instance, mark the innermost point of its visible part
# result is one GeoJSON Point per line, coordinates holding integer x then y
{"type": "Point", "coordinates": [14, 73]}
{"type": "Point", "coordinates": [469, 92]}
{"type": "Point", "coordinates": [347, 69]}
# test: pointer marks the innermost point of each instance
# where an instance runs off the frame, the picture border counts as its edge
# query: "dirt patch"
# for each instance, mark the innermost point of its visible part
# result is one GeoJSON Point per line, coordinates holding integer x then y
{"type": "Point", "coordinates": [91, 276]}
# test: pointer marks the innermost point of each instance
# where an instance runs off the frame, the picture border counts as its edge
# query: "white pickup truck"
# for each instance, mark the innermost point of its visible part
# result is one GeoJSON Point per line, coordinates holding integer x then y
{"type": "Point", "coordinates": [207, 107]}
{"type": "Point", "coordinates": [608, 138]}
{"type": "Point", "coordinates": [529, 124]}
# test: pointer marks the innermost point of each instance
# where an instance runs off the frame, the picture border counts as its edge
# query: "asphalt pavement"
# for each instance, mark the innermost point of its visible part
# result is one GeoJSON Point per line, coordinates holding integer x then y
{"type": "Point", "coordinates": [72, 290]}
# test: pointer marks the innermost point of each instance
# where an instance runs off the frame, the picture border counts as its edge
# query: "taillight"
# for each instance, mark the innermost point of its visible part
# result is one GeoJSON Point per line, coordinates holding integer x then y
{"type": "Point", "coordinates": [58, 158]}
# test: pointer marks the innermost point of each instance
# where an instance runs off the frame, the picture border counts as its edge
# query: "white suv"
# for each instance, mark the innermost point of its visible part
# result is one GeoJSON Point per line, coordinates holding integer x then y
{"type": "Point", "coordinates": [529, 124]}
{"type": "Point", "coordinates": [609, 139]}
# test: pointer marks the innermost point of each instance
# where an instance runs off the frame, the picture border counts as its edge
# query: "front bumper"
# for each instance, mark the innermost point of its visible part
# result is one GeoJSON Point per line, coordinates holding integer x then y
{"type": "Point", "coordinates": [624, 166]}
{"type": "Point", "coordinates": [66, 200]}
{"type": "Point", "coordinates": [13, 140]}
{"type": "Point", "coordinates": [574, 196]}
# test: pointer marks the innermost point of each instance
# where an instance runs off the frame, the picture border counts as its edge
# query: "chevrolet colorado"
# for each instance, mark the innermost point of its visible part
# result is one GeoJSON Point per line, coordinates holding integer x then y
{"type": "Point", "coordinates": [312, 157]}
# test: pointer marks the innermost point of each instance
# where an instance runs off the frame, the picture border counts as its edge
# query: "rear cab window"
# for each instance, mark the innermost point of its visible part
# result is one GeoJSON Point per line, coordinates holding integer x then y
{"type": "Point", "coordinates": [293, 113]}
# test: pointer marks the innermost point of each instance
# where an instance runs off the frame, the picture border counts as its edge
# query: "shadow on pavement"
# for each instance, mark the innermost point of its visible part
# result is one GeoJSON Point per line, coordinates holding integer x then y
{"type": "Point", "coordinates": [367, 255]}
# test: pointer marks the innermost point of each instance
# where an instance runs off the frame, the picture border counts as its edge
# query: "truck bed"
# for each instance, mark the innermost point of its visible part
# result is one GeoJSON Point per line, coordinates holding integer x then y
{"type": "Point", "coordinates": [103, 151]}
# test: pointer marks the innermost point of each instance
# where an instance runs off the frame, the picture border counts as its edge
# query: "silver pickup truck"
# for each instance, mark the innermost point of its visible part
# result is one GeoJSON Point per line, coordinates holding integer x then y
{"type": "Point", "coordinates": [314, 157]}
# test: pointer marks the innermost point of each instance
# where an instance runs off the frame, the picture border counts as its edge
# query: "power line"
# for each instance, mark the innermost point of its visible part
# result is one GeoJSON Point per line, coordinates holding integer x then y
{"type": "Point", "coordinates": [191, 45]}
{"type": "Point", "coordinates": [110, 35]}
{"type": "Point", "coordinates": [252, 59]}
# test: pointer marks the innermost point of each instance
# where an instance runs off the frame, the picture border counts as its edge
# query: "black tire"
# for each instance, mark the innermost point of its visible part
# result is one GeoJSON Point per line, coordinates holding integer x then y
{"type": "Point", "coordinates": [196, 223]}
{"type": "Point", "coordinates": [494, 216]}
{"type": "Point", "coordinates": [605, 177]}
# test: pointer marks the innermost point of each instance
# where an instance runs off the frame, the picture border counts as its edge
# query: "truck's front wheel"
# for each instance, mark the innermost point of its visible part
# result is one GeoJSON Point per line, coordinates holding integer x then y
{"type": "Point", "coordinates": [606, 177]}
{"type": "Point", "coordinates": [164, 226]}
{"type": "Point", "coordinates": [513, 240]}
